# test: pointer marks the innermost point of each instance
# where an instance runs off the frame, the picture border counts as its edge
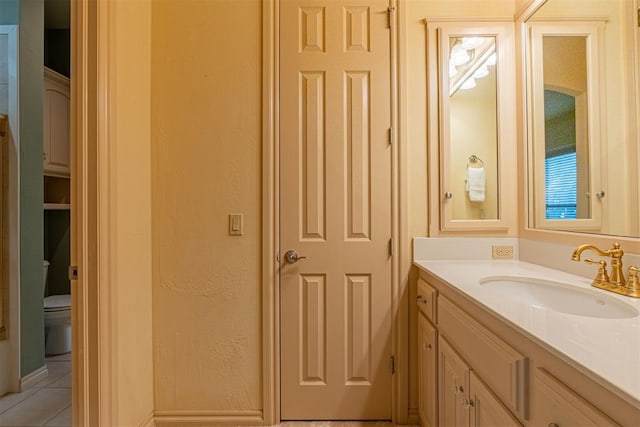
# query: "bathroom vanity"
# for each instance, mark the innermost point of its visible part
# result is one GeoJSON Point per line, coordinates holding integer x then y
{"type": "Point", "coordinates": [508, 343]}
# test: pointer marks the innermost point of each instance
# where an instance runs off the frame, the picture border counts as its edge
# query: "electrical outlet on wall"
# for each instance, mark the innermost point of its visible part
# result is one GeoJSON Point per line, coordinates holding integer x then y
{"type": "Point", "coordinates": [502, 251]}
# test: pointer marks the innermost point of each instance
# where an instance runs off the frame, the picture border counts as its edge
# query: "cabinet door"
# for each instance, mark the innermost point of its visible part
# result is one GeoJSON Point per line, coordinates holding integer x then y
{"type": "Point", "coordinates": [56, 125]}
{"type": "Point", "coordinates": [427, 372]}
{"type": "Point", "coordinates": [557, 404]}
{"type": "Point", "coordinates": [453, 386]}
{"type": "Point", "coordinates": [468, 142]}
{"type": "Point", "coordinates": [485, 408]}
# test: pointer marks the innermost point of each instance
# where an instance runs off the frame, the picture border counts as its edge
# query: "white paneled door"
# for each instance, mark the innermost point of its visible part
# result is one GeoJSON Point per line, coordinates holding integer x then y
{"type": "Point", "coordinates": [335, 169]}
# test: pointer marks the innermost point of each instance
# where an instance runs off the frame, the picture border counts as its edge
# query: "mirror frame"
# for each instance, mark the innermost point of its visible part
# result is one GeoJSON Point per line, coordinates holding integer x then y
{"type": "Point", "coordinates": [592, 31]}
{"type": "Point", "coordinates": [441, 221]}
{"type": "Point", "coordinates": [629, 244]}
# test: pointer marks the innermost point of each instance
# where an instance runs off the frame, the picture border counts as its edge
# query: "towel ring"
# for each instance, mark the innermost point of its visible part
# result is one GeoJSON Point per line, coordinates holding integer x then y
{"type": "Point", "coordinates": [475, 159]}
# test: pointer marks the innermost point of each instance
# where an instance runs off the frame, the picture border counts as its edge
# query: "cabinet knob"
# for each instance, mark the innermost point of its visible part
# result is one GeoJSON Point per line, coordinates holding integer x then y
{"type": "Point", "coordinates": [468, 403]}
{"type": "Point", "coordinates": [459, 389]}
{"type": "Point", "coordinates": [419, 298]}
{"type": "Point", "coordinates": [427, 346]}
{"type": "Point", "coordinates": [448, 195]}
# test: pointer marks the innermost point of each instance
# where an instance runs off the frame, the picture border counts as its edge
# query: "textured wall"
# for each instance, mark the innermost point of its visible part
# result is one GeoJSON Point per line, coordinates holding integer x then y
{"type": "Point", "coordinates": [31, 224]}
{"type": "Point", "coordinates": [206, 163]}
{"type": "Point", "coordinates": [9, 12]}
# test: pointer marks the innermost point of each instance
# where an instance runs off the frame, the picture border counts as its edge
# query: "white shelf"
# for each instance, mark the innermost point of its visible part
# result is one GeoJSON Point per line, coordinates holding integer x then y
{"type": "Point", "coordinates": [57, 206]}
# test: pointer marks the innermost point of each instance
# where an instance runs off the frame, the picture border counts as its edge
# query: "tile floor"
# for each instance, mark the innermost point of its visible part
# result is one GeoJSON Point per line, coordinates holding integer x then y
{"type": "Point", "coordinates": [47, 403]}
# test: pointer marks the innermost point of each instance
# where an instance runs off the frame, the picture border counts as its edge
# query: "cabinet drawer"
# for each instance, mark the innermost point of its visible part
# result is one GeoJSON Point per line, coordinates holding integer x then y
{"type": "Point", "coordinates": [426, 298]}
{"type": "Point", "coordinates": [556, 403]}
{"type": "Point", "coordinates": [499, 365]}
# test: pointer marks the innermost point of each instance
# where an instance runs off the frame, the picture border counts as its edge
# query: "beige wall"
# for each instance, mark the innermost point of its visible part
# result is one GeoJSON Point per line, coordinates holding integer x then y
{"type": "Point", "coordinates": [131, 205]}
{"type": "Point", "coordinates": [206, 163]}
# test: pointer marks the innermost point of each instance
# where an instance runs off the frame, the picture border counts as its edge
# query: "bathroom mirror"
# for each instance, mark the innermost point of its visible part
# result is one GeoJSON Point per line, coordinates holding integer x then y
{"type": "Point", "coordinates": [471, 90]}
{"type": "Point", "coordinates": [582, 117]}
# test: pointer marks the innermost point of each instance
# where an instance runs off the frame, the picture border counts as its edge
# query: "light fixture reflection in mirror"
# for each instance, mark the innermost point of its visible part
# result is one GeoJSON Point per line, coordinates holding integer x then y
{"type": "Point", "coordinates": [469, 59]}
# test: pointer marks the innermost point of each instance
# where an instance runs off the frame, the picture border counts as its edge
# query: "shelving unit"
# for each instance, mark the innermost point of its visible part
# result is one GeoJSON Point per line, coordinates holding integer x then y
{"type": "Point", "coordinates": [57, 206]}
{"type": "Point", "coordinates": [56, 181]}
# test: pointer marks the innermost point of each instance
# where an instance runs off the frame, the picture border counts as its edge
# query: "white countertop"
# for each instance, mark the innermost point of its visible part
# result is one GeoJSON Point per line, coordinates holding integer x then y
{"type": "Point", "coordinates": [606, 349]}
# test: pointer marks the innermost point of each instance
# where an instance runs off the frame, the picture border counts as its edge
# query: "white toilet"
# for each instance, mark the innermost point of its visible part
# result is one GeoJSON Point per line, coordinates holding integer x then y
{"type": "Point", "coordinates": [57, 321]}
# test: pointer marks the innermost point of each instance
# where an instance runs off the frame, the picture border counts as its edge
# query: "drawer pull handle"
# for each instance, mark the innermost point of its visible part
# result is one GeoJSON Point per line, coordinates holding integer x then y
{"type": "Point", "coordinates": [554, 425]}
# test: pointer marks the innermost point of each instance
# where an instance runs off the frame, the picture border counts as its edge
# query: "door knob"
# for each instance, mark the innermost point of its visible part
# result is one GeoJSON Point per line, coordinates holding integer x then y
{"type": "Point", "coordinates": [292, 256]}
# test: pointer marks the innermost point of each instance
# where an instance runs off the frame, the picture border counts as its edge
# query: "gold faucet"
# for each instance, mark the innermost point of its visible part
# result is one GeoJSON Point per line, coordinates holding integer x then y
{"type": "Point", "coordinates": [614, 281]}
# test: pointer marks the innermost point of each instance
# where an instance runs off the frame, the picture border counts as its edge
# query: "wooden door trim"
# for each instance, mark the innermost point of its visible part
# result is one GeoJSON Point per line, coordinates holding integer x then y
{"type": "Point", "coordinates": [270, 213]}
{"type": "Point", "coordinates": [401, 259]}
{"type": "Point", "coordinates": [93, 352]}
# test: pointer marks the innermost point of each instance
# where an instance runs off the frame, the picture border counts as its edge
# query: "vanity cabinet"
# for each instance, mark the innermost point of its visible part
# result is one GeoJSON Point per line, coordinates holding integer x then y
{"type": "Point", "coordinates": [427, 372]}
{"type": "Point", "coordinates": [485, 372]}
{"type": "Point", "coordinates": [465, 401]}
{"type": "Point", "coordinates": [486, 410]}
{"type": "Point", "coordinates": [56, 125]}
{"type": "Point", "coordinates": [558, 405]}
{"type": "Point", "coordinates": [453, 382]}
{"type": "Point", "coordinates": [471, 88]}
{"type": "Point", "coordinates": [427, 355]}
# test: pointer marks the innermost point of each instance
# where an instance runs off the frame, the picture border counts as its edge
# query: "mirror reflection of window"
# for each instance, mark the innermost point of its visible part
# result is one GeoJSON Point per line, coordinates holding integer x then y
{"type": "Point", "coordinates": [566, 122]}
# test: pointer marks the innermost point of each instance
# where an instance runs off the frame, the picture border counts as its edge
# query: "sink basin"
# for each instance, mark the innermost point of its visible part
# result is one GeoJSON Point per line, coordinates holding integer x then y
{"type": "Point", "coordinates": [558, 296]}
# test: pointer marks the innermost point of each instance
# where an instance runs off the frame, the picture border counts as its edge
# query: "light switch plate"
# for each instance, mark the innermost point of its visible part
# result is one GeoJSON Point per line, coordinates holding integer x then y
{"type": "Point", "coordinates": [236, 224]}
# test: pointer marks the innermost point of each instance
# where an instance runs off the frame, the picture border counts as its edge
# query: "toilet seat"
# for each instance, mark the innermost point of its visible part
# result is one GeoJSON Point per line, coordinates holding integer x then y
{"type": "Point", "coordinates": [57, 303]}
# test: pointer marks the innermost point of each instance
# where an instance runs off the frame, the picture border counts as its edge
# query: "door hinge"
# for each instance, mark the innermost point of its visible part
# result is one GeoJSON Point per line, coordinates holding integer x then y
{"type": "Point", "coordinates": [390, 136]}
{"type": "Point", "coordinates": [73, 272]}
{"type": "Point", "coordinates": [391, 247]}
{"type": "Point", "coordinates": [390, 11]}
{"type": "Point", "coordinates": [392, 365]}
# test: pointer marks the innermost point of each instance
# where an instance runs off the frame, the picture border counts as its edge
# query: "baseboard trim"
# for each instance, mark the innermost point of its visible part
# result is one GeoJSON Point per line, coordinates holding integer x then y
{"type": "Point", "coordinates": [185, 418]}
{"type": "Point", "coordinates": [413, 417]}
{"type": "Point", "coordinates": [148, 422]}
{"type": "Point", "coordinates": [33, 378]}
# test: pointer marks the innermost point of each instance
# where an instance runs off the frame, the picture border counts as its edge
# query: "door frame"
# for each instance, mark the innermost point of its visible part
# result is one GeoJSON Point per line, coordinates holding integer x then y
{"type": "Point", "coordinates": [11, 220]}
{"type": "Point", "coordinates": [400, 261]}
{"type": "Point", "coordinates": [93, 318]}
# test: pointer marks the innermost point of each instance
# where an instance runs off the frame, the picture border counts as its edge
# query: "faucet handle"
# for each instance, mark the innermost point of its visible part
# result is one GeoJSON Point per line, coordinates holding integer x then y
{"type": "Point", "coordinates": [633, 282]}
{"type": "Point", "coordinates": [602, 277]}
